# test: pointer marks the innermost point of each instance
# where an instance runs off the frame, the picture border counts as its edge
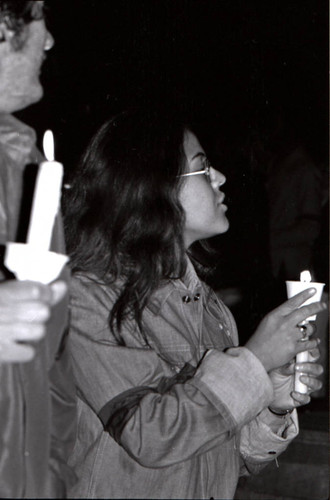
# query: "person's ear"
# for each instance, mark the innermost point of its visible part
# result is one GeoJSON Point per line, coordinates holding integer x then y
{"type": "Point", "coordinates": [6, 35]}
{"type": "Point", "coordinates": [16, 40]}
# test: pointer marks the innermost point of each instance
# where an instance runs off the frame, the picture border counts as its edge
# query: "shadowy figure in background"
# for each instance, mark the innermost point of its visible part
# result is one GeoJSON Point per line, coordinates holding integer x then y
{"type": "Point", "coordinates": [297, 199]}
{"type": "Point", "coordinates": [277, 200]}
{"type": "Point", "coordinates": [294, 194]}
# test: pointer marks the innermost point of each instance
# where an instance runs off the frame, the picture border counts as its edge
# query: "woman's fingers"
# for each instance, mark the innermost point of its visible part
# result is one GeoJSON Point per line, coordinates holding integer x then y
{"type": "Point", "coordinates": [300, 399]}
{"type": "Point", "coordinates": [313, 369]}
{"type": "Point", "coordinates": [302, 313]}
{"type": "Point", "coordinates": [308, 345]}
{"type": "Point", "coordinates": [304, 331]}
{"type": "Point", "coordinates": [312, 383]}
{"type": "Point", "coordinates": [291, 304]}
{"type": "Point", "coordinates": [308, 373]}
{"type": "Point", "coordinates": [281, 336]}
{"type": "Point", "coordinates": [314, 354]}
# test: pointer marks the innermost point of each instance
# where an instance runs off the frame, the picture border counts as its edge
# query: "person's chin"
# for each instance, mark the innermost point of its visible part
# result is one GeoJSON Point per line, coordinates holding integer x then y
{"type": "Point", "coordinates": [220, 229]}
{"type": "Point", "coordinates": [224, 227]}
{"type": "Point", "coordinates": [37, 93]}
{"type": "Point", "coordinates": [223, 224]}
{"type": "Point", "coordinates": [31, 98]}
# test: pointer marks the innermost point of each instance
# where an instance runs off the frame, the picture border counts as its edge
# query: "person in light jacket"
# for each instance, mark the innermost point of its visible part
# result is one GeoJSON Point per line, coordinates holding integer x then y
{"type": "Point", "coordinates": [37, 398]}
{"type": "Point", "coordinates": [169, 404]}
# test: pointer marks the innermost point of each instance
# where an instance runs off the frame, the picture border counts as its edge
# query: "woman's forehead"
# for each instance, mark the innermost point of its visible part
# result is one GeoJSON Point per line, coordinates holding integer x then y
{"type": "Point", "coordinates": [192, 146]}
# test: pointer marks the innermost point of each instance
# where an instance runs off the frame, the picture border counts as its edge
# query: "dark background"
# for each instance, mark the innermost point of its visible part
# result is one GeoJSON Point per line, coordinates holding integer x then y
{"type": "Point", "coordinates": [230, 63]}
{"type": "Point", "coordinates": [227, 59]}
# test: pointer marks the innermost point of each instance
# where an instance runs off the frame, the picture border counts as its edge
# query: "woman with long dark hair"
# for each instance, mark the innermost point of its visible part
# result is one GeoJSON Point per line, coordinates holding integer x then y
{"type": "Point", "coordinates": [169, 406]}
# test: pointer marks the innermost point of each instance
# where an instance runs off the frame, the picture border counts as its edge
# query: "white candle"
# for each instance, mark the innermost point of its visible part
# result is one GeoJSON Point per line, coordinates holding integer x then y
{"type": "Point", "coordinates": [305, 276]}
{"type": "Point", "coordinates": [294, 287]}
{"type": "Point", "coordinates": [302, 357]}
{"type": "Point", "coordinates": [47, 195]}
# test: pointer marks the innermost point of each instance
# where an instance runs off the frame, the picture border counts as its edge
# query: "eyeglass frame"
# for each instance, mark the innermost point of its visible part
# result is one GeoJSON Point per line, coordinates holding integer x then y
{"type": "Point", "coordinates": [205, 171]}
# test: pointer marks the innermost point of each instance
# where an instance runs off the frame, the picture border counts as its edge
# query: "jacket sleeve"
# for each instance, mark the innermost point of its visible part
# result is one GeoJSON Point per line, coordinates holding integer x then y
{"type": "Point", "coordinates": [265, 438]}
{"type": "Point", "coordinates": [62, 392]}
{"type": "Point", "coordinates": [165, 428]}
{"type": "Point", "coordinates": [63, 425]}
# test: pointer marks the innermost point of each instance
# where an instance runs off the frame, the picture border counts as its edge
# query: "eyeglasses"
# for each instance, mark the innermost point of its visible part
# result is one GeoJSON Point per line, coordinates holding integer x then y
{"type": "Point", "coordinates": [206, 171]}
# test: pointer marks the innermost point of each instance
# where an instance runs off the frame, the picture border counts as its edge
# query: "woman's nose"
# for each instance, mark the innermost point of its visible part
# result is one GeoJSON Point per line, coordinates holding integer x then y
{"type": "Point", "coordinates": [218, 179]}
{"type": "Point", "coordinates": [49, 42]}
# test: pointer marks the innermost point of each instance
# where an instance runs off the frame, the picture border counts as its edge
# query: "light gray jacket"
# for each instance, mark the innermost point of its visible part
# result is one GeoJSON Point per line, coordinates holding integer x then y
{"type": "Point", "coordinates": [150, 428]}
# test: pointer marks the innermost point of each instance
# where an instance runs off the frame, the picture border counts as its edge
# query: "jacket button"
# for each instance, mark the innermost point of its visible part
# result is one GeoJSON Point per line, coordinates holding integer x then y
{"type": "Point", "coordinates": [197, 297]}
{"type": "Point", "coordinates": [186, 299]}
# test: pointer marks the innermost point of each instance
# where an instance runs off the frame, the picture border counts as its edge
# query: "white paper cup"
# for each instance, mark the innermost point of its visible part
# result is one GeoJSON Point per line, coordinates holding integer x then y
{"type": "Point", "coordinates": [293, 288]}
{"type": "Point", "coordinates": [29, 263]}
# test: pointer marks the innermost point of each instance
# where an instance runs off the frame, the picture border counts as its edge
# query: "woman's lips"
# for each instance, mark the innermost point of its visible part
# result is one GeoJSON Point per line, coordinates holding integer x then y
{"type": "Point", "coordinates": [221, 199]}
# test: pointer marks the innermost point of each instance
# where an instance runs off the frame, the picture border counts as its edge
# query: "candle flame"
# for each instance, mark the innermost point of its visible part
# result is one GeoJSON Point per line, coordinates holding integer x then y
{"type": "Point", "coordinates": [305, 276]}
{"type": "Point", "coordinates": [48, 145]}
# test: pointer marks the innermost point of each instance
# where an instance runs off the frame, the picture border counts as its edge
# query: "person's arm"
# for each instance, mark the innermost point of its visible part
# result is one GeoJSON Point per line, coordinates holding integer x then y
{"type": "Point", "coordinates": [63, 425]}
{"type": "Point", "coordinates": [265, 438]}
{"type": "Point", "coordinates": [159, 422]}
{"type": "Point", "coordinates": [62, 398]}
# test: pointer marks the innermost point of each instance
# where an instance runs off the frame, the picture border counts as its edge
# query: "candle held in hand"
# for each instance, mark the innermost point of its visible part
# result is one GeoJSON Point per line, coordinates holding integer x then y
{"type": "Point", "coordinates": [46, 198]}
{"type": "Point", "coordinates": [293, 288]}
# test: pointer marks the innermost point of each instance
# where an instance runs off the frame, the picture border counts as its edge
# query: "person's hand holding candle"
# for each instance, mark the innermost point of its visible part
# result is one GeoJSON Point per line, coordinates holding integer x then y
{"type": "Point", "coordinates": [308, 326]}
{"type": "Point", "coordinates": [25, 308]}
{"type": "Point", "coordinates": [26, 304]}
{"type": "Point", "coordinates": [277, 342]}
{"type": "Point", "coordinates": [285, 397]}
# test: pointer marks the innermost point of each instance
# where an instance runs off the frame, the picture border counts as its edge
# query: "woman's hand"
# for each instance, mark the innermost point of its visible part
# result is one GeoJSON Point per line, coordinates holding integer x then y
{"type": "Point", "coordinates": [277, 339]}
{"type": "Point", "coordinates": [285, 398]}
{"type": "Point", "coordinates": [25, 308]}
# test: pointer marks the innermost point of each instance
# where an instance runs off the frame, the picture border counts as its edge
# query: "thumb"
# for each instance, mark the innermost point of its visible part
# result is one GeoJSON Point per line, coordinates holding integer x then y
{"type": "Point", "coordinates": [59, 289]}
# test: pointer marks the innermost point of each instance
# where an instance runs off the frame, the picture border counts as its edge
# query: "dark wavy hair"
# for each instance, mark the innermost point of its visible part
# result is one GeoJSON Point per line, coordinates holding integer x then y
{"type": "Point", "coordinates": [16, 14]}
{"type": "Point", "coordinates": [123, 220]}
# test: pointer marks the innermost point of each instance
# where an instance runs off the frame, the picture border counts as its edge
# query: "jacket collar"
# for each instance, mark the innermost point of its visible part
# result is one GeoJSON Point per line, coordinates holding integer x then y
{"type": "Point", "coordinates": [187, 285]}
{"type": "Point", "coordinates": [18, 139]}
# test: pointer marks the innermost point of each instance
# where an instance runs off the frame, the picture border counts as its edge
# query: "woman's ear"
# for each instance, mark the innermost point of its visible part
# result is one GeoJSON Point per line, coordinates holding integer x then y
{"type": "Point", "coordinates": [16, 40]}
{"type": "Point", "coordinates": [2, 33]}
{"type": "Point", "coordinates": [6, 35]}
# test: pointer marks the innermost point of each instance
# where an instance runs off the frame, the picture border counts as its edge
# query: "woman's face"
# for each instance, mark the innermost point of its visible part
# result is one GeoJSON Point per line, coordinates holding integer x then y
{"type": "Point", "coordinates": [200, 195]}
